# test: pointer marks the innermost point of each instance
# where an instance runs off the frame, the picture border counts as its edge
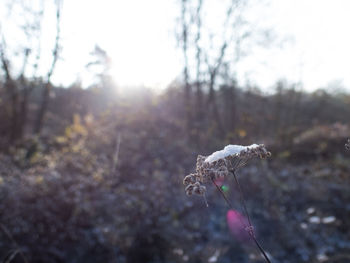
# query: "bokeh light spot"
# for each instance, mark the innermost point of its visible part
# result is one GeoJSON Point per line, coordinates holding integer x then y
{"type": "Point", "coordinates": [225, 188]}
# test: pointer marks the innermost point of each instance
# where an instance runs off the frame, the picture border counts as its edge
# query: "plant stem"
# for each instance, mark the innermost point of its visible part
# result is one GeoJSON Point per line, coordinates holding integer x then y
{"type": "Point", "coordinates": [250, 231]}
{"type": "Point", "coordinates": [242, 199]}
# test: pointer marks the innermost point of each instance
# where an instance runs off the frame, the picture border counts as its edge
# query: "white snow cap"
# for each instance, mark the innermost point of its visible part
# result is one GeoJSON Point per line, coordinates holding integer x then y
{"type": "Point", "coordinates": [227, 151]}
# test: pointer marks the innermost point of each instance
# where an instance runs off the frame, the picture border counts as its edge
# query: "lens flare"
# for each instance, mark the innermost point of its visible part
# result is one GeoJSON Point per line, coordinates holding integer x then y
{"type": "Point", "coordinates": [225, 188]}
{"type": "Point", "coordinates": [236, 224]}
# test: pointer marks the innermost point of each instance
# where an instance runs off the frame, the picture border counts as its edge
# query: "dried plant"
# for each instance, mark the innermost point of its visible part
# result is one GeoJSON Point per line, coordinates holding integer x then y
{"type": "Point", "coordinates": [222, 164]}
{"type": "Point", "coordinates": [347, 145]}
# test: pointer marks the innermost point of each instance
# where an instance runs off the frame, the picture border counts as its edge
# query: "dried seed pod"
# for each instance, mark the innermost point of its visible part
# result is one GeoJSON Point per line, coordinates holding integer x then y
{"type": "Point", "coordinates": [189, 179]}
{"type": "Point", "coordinates": [195, 188]}
{"type": "Point", "coordinates": [199, 190]}
{"type": "Point", "coordinates": [189, 189]}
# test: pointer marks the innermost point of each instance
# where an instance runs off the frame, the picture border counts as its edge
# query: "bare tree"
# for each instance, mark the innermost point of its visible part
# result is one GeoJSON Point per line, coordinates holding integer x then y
{"type": "Point", "coordinates": [185, 24]}
{"type": "Point", "coordinates": [12, 92]}
{"type": "Point", "coordinates": [199, 90]}
{"type": "Point", "coordinates": [101, 64]}
{"type": "Point", "coordinates": [208, 60]}
{"type": "Point", "coordinates": [20, 80]}
{"type": "Point", "coordinates": [47, 88]}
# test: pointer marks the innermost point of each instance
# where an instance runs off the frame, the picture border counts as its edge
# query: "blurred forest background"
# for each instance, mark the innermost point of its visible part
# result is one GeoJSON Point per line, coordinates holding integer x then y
{"type": "Point", "coordinates": [95, 174]}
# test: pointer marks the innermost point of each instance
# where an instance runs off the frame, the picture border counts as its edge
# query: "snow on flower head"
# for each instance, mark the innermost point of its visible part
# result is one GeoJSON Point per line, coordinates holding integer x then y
{"type": "Point", "coordinates": [229, 150]}
{"type": "Point", "coordinates": [219, 164]}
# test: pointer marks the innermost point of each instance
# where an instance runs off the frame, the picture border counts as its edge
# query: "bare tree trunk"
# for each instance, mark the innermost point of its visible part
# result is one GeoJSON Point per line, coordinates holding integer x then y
{"type": "Point", "coordinates": [25, 91]}
{"type": "Point", "coordinates": [23, 112]}
{"type": "Point", "coordinates": [212, 104]}
{"type": "Point", "coordinates": [43, 108]}
{"type": "Point", "coordinates": [12, 91]}
{"type": "Point", "coordinates": [199, 92]}
{"type": "Point", "coordinates": [187, 92]}
{"type": "Point", "coordinates": [47, 88]}
{"type": "Point", "coordinates": [14, 110]}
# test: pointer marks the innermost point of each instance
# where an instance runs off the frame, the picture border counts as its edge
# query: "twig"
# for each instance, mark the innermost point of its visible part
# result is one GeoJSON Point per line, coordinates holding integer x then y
{"type": "Point", "coordinates": [18, 250]}
{"type": "Point", "coordinates": [10, 256]}
{"type": "Point", "coordinates": [116, 154]}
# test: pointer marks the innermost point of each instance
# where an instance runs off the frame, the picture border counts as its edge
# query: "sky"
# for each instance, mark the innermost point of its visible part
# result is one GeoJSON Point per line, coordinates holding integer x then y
{"type": "Point", "coordinates": [139, 36]}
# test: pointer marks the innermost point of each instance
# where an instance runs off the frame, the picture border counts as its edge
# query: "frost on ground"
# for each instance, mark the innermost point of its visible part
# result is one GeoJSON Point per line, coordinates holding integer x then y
{"type": "Point", "coordinates": [228, 151]}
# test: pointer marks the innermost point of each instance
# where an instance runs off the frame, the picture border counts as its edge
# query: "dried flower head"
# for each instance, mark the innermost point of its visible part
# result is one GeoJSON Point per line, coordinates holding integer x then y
{"type": "Point", "coordinates": [220, 164]}
{"type": "Point", "coordinates": [347, 145]}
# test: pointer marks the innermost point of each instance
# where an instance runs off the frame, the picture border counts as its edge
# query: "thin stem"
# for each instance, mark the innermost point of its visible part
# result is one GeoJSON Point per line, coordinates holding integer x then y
{"type": "Point", "coordinates": [250, 232]}
{"type": "Point", "coordinates": [260, 249]}
{"type": "Point", "coordinates": [222, 193]}
{"type": "Point", "coordinates": [242, 199]}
